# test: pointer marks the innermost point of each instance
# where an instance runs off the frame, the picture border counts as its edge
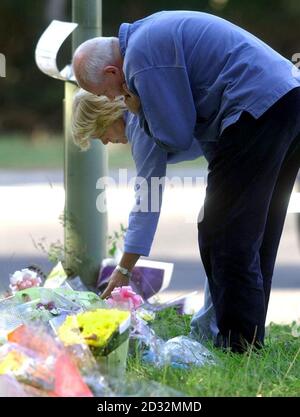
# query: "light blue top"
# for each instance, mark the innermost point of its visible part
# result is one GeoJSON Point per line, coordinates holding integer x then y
{"type": "Point", "coordinates": [195, 73]}
{"type": "Point", "coordinates": [151, 163]}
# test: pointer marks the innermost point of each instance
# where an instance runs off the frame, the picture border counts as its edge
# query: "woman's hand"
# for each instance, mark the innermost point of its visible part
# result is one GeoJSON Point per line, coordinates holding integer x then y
{"type": "Point", "coordinates": [116, 280]}
{"type": "Point", "coordinates": [132, 101]}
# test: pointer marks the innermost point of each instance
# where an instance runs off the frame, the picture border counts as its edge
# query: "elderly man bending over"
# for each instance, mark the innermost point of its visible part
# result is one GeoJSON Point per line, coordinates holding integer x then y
{"type": "Point", "coordinates": [200, 76]}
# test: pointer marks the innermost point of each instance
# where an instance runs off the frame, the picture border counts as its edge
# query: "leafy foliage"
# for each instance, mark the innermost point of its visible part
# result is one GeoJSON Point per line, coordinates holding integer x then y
{"type": "Point", "coordinates": [115, 239]}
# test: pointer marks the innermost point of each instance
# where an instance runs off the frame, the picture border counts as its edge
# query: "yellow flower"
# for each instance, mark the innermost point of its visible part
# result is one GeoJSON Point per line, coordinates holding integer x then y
{"type": "Point", "coordinates": [93, 328]}
{"type": "Point", "coordinates": [12, 362]}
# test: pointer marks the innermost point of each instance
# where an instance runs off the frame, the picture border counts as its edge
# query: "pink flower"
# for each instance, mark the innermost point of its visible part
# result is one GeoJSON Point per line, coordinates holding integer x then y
{"type": "Point", "coordinates": [125, 297]}
{"type": "Point", "coordinates": [21, 280]}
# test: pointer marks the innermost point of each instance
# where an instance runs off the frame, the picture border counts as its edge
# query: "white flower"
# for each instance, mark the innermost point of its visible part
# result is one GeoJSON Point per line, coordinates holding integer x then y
{"type": "Point", "coordinates": [27, 273]}
{"type": "Point", "coordinates": [16, 277]}
{"type": "Point", "coordinates": [23, 279]}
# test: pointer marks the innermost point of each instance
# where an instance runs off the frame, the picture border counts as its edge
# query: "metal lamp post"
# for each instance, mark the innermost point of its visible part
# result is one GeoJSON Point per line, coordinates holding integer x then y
{"type": "Point", "coordinates": [85, 227]}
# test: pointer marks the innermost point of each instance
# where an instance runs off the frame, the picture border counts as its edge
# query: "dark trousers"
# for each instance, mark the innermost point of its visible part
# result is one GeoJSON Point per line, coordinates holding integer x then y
{"type": "Point", "coordinates": [252, 170]}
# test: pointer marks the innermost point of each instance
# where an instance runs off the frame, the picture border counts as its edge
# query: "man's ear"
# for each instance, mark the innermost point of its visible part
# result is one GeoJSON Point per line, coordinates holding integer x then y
{"type": "Point", "coordinates": [110, 69]}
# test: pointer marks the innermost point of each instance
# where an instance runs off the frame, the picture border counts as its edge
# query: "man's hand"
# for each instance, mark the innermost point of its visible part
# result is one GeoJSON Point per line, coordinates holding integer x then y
{"type": "Point", "coordinates": [116, 280]}
{"type": "Point", "coordinates": [132, 102]}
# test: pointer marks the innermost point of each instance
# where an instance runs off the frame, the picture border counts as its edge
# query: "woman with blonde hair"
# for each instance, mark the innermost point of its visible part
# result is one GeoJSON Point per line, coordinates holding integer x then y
{"type": "Point", "coordinates": [97, 117]}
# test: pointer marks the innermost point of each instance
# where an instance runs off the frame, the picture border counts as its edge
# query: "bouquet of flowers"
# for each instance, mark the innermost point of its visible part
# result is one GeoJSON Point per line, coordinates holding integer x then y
{"type": "Point", "coordinates": [42, 304]}
{"type": "Point", "coordinates": [26, 278]}
{"type": "Point", "coordinates": [41, 364]}
{"type": "Point", "coordinates": [103, 330]}
{"type": "Point", "coordinates": [125, 298]}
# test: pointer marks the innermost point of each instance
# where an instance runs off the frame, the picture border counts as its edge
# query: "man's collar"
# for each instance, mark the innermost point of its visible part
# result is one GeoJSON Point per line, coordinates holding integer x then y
{"type": "Point", "coordinates": [123, 37]}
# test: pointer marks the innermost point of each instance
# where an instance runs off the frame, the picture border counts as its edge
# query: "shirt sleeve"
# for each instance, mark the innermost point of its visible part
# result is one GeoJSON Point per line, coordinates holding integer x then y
{"type": "Point", "coordinates": [151, 163]}
{"type": "Point", "coordinates": [194, 152]}
{"type": "Point", "coordinates": [167, 106]}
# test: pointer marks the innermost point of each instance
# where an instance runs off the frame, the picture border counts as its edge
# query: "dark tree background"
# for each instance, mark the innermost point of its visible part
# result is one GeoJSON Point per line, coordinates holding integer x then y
{"type": "Point", "coordinates": [31, 101]}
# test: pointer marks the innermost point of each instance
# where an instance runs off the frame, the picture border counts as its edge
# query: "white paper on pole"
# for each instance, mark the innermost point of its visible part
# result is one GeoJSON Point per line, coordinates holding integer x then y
{"type": "Point", "coordinates": [48, 46]}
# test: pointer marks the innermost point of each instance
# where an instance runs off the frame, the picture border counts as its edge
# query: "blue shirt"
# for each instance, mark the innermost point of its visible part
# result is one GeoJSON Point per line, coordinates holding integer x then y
{"type": "Point", "coordinates": [195, 73]}
{"type": "Point", "coordinates": [151, 163]}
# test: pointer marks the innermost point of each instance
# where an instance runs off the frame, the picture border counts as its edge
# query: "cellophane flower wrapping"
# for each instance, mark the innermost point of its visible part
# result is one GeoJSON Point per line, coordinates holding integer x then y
{"type": "Point", "coordinates": [10, 387]}
{"type": "Point", "coordinates": [141, 335]}
{"type": "Point", "coordinates": [124, 297]}
{"type": "Point", "coordinates": [41, 305]}
{"type": "Point", "coordinates": [180, 352]}
{"type": "Point", "coordinates": [41, 364]}
{"type": "Point", "coordinates": [104, 331]}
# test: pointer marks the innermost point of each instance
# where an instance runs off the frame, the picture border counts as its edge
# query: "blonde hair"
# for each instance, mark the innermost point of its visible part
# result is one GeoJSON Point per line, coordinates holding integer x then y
{"type": "Point", "coordinates": [92, 115]}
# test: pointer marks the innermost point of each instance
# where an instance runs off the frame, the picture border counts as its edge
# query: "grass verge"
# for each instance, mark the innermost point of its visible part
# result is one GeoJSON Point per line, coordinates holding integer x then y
{"type": "Point", "coordinates": [20, 152]}
{"type": "Point", "coordinates": [274, 372]}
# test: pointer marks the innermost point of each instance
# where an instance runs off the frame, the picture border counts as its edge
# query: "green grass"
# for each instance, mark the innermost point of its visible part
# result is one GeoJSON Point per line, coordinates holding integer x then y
{"type": "Point", "coordinates": [21, 152]}
{"type": "Point", "coordinates": [18, 152]}
{"type": "Point", "coordinates": [274, 372]}
{"type": "Point", "coordinates": [46, 152]}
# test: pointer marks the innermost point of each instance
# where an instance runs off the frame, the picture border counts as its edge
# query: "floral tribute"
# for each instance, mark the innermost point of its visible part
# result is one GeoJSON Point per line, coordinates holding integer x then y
{"type": "Point", "coordinates": [26, 278]}
{"type": "Point", "coordinates": [125, 297]}
{"type": "Point", "coordinates": [103, 330]}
